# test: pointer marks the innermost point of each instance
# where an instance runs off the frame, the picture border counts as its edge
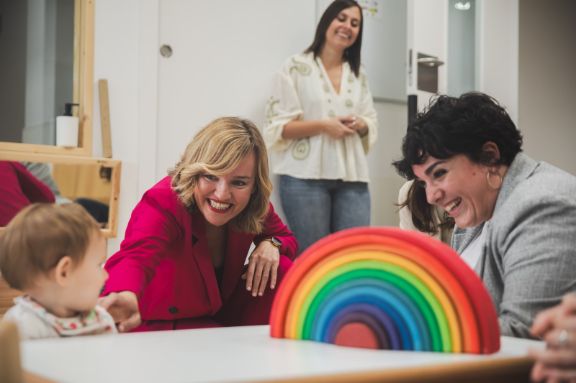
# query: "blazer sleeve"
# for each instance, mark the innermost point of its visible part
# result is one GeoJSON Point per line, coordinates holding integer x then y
{"type": "Point", "coordinates": [152, 228]}
{"type": "Point", "coordinates": [274, 227]}
{"type": "Point", "coordinates": [535, 241]}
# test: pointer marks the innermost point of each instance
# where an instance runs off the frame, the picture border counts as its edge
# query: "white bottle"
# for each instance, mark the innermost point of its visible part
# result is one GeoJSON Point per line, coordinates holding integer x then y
{"type": "Point", "coordinates": [67, 128]}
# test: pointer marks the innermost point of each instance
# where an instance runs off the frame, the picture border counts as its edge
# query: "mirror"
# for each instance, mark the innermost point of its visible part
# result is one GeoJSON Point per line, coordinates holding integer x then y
{"type": "Point", "coordinates": [94, 183]}
{"type": "Point", "coordinates": [47, 61]}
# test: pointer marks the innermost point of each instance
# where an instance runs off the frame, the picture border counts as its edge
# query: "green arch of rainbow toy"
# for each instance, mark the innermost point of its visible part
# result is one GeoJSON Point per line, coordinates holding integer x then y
{"type": "Point", "coordinates": [407, 291]}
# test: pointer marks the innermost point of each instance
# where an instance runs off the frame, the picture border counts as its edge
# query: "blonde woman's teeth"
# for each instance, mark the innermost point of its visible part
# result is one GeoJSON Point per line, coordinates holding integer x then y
{"type": "Point", "coordinates": [219, 205]}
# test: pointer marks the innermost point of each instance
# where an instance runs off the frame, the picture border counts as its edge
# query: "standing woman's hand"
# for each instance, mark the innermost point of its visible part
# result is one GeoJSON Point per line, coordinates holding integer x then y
{"type": "Point", "coordinates": [123, 306]}
{"type": "Point", "coordinates": [335, 128]}
{"type": "Point", "coordinates": [355, 123]}
{"type": "Point", "coordinates": [263, 267]}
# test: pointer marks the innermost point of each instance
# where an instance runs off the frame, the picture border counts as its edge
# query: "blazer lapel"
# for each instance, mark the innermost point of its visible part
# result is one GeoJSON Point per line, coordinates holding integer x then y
{"type": "Point", "coordinates": [236, 253]}
{"type": "Point", "coordinates": [521, 168]}
{"type": "Point", "coordinates": [204, 262]}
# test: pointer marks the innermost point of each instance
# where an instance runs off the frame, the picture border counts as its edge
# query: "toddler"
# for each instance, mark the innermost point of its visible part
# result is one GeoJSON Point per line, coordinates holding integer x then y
{"type": "Point", "coordinates": [54, 254]}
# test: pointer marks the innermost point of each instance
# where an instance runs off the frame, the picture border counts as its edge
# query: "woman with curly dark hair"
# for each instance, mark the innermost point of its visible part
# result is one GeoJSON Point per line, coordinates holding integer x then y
{"type": "Point", "coordinates": [515, 217]}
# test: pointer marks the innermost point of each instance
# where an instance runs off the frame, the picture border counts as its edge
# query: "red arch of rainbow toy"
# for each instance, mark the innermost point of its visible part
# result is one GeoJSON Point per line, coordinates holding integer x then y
{"type": "Point", "coordinates": [468, 320]}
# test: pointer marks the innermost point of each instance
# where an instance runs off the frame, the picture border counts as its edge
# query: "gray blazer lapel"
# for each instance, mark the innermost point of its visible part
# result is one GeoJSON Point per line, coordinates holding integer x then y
{"type": "Point", "coordinates": [521, 168]}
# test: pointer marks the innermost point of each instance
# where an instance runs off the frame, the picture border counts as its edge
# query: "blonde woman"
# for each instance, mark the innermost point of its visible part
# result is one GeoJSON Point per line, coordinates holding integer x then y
{"type": "Point", "coordinates": [182, 261]}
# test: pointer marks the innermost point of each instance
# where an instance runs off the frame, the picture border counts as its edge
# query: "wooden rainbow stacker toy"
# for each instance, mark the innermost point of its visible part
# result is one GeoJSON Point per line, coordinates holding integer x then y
{"type": "Point", "coordinates": [385, 288]}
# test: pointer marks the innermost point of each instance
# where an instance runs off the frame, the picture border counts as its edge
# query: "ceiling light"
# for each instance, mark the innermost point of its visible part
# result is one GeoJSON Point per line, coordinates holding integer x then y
{"type": "Point", "coordinates": [462, 5]}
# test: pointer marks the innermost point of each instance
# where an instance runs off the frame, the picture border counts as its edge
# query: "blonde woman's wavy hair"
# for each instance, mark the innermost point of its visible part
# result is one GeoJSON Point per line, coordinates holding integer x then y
{"type": "Point", "coordinates": [218, 149]}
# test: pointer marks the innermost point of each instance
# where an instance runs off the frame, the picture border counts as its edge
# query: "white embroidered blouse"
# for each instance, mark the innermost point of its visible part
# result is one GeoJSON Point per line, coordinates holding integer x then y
{"type": "Point", "coordinates": [302, 91]}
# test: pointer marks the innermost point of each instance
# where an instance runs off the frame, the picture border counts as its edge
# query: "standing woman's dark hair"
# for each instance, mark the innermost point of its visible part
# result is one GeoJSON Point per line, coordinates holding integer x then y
{"type": "Point", "coordinates": [352, 54]}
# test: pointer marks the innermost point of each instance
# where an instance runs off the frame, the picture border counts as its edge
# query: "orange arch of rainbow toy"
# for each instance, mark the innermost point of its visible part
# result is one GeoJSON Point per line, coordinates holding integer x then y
{"type": "Point", "coordinates": [406, 290]}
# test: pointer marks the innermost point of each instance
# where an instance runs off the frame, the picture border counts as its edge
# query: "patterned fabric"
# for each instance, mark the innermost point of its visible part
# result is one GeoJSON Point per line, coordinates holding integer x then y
{"type": "Point", "coordinates": [34, 321]}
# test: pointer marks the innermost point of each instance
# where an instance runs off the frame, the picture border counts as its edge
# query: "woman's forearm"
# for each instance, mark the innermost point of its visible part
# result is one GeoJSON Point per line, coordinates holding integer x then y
{"type": "Point", "coordinates": [303, 128]}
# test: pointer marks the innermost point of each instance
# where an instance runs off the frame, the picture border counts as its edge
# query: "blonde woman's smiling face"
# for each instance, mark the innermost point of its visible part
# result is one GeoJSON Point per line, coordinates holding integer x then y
{"type": "Point", "coordinates": [220, 198]}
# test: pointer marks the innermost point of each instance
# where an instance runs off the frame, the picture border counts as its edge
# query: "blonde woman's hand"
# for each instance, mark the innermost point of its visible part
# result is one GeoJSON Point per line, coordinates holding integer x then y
{"type": "Point", "coordinates": [123, 306]}
{"type": "Point", "coordinates": [335, 128]}
{"type": "Point", "coordinates": [262, 268]}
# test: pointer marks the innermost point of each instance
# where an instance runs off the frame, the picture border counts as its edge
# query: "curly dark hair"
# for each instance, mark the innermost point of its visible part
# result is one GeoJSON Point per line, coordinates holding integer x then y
{"type": "Point", "coordinates": [451, 126]}
{"type": "Point", "coordinates": [459, 125]}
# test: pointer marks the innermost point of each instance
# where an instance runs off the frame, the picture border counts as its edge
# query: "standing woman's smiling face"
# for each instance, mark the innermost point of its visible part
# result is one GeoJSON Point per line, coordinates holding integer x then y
{"type": "Point", "coordinates": [460, 187]}
{"type": "Point", "coordinates": [221, 198]}
{"type": "Point", "coordinates": [344, 29]}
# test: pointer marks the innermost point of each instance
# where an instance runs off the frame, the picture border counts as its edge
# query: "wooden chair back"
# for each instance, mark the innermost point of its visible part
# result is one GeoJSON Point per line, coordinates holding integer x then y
{"type": "Point", "coordinates": [7, 296]}
{"type": "Point", "coordinates": [10, 366]}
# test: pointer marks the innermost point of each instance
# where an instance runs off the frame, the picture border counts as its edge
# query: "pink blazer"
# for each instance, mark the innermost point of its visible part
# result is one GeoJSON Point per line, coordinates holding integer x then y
{"type": "Point", "coordinates": [164, 258]}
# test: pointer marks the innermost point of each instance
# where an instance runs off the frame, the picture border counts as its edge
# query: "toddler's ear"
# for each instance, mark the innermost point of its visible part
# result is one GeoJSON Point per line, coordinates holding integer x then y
{"type": "Point", "coordinates": [62, 270]}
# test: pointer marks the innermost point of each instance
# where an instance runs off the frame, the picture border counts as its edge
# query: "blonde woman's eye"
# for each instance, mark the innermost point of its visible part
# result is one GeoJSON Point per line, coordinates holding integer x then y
{"type": "Point", "coordinates": [210, 177]}
{"type": "Point", "coordinates": [240, 183]}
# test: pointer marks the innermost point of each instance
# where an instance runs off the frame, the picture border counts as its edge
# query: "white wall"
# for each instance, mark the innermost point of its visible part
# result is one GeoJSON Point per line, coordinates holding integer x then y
{"type": "Point", "coordinates": [547, 101]}
{"type": "Point", "coordinates": [117, 58]}
{"type": "Point", "coordinates": [498, 51]}
{"type": "Point", "coordinates": [222, 64]}
{"type": "Point", "coordinates": [385, 183]}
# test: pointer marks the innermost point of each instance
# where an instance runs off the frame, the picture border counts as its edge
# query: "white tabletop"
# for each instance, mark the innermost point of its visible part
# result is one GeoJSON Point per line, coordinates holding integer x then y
{"type": "Point", "coordinates": [221, 355]}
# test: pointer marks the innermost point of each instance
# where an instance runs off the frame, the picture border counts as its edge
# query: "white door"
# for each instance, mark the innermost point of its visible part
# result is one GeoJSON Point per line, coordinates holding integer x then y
{"type": "Point", "coordinates": [427, 50]}
{"type": "Point", "coordinates": [472, 43]}
{"type": "Point", "coordinates": [223, 57]}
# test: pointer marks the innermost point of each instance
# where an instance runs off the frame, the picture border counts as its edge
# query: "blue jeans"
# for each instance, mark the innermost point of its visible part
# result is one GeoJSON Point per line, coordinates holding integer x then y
{"type": "Point", "coordinates": [317, 208]}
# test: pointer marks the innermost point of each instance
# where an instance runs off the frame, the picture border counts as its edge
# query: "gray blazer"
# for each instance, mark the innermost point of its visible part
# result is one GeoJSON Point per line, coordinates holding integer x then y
{"type": "Point", "coordinates": [528, 260]}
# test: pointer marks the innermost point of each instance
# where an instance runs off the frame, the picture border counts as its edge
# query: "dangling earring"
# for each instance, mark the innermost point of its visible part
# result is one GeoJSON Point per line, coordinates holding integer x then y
{"type": "Point", "coordinates": [499, 178]}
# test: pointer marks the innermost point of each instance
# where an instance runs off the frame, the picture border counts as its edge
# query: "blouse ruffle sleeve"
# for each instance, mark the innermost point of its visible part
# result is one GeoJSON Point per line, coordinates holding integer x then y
{"type": "Point", "coordinates": [367, 113]}
{"type": "Point", "coordinates": [282, 107]}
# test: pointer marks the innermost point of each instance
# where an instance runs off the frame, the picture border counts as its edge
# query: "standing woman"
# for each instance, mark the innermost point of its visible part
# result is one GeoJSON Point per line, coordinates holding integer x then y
{"type": "Point", "coordinates": [182, 262]}
{"type": "Point", "coordinates": [320, 124]}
